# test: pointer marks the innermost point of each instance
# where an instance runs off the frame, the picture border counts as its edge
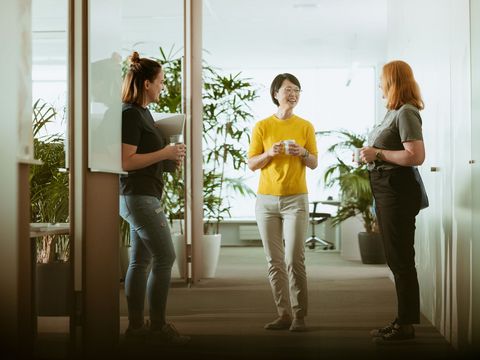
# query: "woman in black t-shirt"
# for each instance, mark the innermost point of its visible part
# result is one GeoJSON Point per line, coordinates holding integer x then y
{"type": "Point", "coordinates": [395, 146]}
{"type": "Point", "coordinates": [145, 156]}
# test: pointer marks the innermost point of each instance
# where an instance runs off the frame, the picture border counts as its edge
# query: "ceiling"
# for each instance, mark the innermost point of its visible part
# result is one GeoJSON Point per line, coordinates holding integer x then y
{"type": "Point", "coordinates": [239, 33]}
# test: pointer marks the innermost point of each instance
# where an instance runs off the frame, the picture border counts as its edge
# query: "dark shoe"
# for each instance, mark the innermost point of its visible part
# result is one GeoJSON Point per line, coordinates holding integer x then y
{"type": "Point", "coordinates": [137, 334]}
{"type": "Point", "coordinates": [398, 335]}
{"type": "Point", "coordinates": [279, 324]}
{"type": "Point", "coordinates": [384, 330]}
{"type": "Point", "coordinates": [298, 325]}
{"type": "Point", "coordinates": [167, 335]}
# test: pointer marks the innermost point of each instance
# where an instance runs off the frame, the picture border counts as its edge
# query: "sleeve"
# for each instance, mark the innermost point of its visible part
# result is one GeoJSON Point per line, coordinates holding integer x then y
{"type": "Point", "coordinates": [410, 125]}
{"type": "Point", "coordinates": [256, 143]}
{"type": "Point", "coordinates": [311, 143]}
{"type": "Point", "coordinates": [131, 127]}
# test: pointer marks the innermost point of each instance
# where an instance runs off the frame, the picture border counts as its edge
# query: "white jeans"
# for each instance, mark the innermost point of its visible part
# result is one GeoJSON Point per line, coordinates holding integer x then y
{"type": "Point", "coordinates": [282, 222]}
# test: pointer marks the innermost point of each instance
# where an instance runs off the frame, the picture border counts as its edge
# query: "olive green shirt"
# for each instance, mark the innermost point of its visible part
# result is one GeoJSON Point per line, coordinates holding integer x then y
{"type": "Point", "coordinates": [398, 126]}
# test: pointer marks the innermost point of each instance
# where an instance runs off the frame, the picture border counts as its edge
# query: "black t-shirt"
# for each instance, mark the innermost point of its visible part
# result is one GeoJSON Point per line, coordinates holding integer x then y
{"type": "Point", "coordinates": [138, 128]}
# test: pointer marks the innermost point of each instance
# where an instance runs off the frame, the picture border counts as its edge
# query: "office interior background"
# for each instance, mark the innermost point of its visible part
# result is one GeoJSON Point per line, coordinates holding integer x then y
{"type": "Point", "coordinates": [335, 48]}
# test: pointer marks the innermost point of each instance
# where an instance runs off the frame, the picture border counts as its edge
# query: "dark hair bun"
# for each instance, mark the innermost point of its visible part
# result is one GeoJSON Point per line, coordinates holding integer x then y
{"type": "Point", "coordinates": [134, 58]}
{"type": "Point", "coordinates": [134, 61]}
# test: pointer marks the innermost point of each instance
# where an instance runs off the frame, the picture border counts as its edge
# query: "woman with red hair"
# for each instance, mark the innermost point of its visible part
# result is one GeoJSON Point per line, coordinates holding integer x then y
{"type": "Point", "coordinates": [395, 146]}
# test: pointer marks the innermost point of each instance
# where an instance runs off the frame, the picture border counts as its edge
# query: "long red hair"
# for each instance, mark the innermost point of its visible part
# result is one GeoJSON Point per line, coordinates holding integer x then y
{"type": "Point", "coordinates": [399, 86]}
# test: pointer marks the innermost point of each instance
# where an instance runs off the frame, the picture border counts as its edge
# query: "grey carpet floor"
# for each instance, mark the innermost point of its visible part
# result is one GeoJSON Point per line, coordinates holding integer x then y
{"type": "Point", "coordinates": [225, 315]}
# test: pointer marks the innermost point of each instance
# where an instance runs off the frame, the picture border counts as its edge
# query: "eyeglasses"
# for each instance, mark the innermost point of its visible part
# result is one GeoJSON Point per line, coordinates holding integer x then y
{"type": "Point", "coordinates": [289, 90]}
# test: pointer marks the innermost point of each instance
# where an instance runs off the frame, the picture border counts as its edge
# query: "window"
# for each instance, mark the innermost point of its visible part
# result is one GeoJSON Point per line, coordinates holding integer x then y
{"type": "Point", "coordinates": [331, 98]}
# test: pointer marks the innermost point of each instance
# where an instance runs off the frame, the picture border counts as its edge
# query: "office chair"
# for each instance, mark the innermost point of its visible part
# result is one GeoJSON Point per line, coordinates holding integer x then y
{"type": "Point", "coordinates": [315, 219]}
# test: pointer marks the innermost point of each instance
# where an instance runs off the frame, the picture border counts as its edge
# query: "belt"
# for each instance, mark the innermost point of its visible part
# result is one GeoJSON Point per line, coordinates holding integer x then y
{"type": "Point", "coordinates": [391, 171]}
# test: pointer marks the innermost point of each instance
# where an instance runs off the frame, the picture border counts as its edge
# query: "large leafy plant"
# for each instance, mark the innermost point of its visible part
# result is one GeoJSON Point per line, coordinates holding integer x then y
{"type": "Point", "coordinates": [353, 180]}
{"type": "Point", "coordinates": [48, 185]}
{"type": "Point", "coordinates": [226, 125]}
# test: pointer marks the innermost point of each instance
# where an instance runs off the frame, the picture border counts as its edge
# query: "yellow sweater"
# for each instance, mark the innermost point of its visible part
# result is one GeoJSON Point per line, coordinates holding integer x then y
{"type": "Point", "coordinates": [284, 174]}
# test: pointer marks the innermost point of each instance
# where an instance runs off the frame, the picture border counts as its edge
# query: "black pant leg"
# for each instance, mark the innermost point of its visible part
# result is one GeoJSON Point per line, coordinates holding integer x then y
{"type": "Point", "coordinates": [397, 199]}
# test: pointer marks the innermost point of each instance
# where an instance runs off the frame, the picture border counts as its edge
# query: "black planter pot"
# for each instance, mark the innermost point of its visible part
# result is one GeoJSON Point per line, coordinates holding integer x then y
{"type": "Point", "coordinates": [371, 248]}
{"type": "Point", "coordinates": [54, 289]}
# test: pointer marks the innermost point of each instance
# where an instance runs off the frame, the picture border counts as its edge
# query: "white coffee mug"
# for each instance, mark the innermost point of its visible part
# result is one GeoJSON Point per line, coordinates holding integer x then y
{"type": "Point", "coordinates": [356, 157]}
{"type": "Point", "coordinates": [286, 145]}
{"type": "Point", "coordinates": [176, 139]}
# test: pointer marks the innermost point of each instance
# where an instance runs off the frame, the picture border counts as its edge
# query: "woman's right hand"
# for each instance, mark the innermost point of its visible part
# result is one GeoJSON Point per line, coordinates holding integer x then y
{"type": "Point", "coordinates": [175, 152]}
{"type": "Point", "coordinates": [275, 150]}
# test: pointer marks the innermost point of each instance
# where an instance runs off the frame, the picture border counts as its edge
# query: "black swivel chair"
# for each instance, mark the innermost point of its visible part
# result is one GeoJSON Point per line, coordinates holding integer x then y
{"type": "Point", "coordinates": [315, 219]}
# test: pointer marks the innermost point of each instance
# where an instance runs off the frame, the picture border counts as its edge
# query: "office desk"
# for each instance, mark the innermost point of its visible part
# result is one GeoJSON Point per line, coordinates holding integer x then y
{"type": "Point", "coordinates": [328, 202]}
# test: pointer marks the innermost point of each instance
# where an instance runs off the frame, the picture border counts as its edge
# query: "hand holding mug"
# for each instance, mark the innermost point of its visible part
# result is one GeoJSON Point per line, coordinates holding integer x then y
{"type": "Point", "coordinates": [276, 149]}
{"type": "Point", "coordinates": [175, 152]}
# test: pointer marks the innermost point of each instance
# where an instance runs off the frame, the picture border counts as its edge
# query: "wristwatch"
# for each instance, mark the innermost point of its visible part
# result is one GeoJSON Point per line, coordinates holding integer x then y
{"type": "Point", "coordinates": [378, 154]}
{"type": "Point", "coordinates": [305, 154]}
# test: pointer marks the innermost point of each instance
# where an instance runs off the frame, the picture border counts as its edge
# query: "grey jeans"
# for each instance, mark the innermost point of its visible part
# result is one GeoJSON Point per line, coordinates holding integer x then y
{"type": "Point", "coordinates": [151, 243]}
{"type": "Point", "coordinates": [282, 222]}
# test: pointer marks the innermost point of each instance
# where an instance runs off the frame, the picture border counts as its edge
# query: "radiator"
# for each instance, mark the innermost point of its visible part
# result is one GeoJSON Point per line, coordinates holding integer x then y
{"type": "Point", "coordinates": [248, 232]}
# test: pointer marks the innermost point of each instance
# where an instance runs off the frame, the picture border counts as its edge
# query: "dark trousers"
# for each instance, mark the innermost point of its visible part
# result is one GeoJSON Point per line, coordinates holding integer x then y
{"type": "Point", "coordinates": [397, 202]}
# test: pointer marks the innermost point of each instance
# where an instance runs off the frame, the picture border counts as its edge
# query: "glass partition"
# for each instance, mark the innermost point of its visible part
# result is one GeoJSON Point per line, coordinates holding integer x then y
{"type": "Point", "coordinates": [49, 182]}
{"type": "Point", "coordinates": [154, 28]}
{"type": "Point", "coordinates": [105, 63]}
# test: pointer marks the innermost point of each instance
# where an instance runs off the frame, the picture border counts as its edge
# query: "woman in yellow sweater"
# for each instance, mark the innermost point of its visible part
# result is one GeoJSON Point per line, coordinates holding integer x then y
{"type": "Point", "coordinates": [282, 146]}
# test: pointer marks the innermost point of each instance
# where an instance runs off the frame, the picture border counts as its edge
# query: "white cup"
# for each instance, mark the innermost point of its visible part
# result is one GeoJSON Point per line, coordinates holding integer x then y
{"type": "Point", "coordinates": [356, 156]}
{"type": "Point", "coordinates": [176, 139]}
{"type": "Point", "coordinates": [286, 145]}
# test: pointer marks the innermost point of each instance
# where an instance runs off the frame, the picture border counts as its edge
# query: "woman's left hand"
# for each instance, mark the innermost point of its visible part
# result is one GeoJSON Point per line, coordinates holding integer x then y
{"type": "Point", "coordinates": [368, 154]}
{"type": "Point", "coordinates": [295, 150]}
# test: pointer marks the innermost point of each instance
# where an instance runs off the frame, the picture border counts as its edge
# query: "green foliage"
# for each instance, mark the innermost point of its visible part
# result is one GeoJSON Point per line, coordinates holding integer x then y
{"type": "Point", "coordinates": [48, 186]}
{"type": "Point", "coordinates": [357, 197]}
{"type": "Point", "coordinates": [226, 124]}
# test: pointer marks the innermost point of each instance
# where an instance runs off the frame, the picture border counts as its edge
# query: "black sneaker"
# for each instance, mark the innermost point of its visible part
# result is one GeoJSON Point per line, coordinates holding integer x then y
{"type": "Point", "coordinates": [398, 335]}
{"type": "Point", "coordinates": [384, 330]}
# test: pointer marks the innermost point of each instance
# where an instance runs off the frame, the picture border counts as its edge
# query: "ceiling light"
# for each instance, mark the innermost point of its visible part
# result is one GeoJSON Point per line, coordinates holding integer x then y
{"type": "Point", "coordinates": [306, 5]}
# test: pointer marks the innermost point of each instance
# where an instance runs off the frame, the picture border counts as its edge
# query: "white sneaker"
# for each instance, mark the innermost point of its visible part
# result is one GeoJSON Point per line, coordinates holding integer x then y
{"type": "Point", "coordinates": [167, 335]}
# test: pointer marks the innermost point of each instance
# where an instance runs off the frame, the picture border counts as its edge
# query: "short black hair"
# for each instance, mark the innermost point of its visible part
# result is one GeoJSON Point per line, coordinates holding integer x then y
{"type": "Point", "coordinates": [277, 84]}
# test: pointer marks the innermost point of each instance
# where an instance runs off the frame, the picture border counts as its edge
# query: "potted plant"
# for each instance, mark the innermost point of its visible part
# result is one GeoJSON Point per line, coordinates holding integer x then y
{"type": "Point", "coordinates": [49, 203]}
{"type": "Point", "coordinates": [226, 127]}
{"type": "Point", "coordinates": [356, 194]}
{"type": "Point", "coordinates": [226, 124]}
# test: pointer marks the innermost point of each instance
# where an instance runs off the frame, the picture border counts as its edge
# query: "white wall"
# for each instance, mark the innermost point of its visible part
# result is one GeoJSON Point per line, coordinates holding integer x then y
{"type": "Point", "coordinates": [475, 69]}
{"type": "Point", "coordinates": [433, 37]}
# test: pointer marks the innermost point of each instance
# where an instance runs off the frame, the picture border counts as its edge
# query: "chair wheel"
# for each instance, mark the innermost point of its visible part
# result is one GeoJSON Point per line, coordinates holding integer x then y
{"type": "Point", "coordinates": [311, 245]}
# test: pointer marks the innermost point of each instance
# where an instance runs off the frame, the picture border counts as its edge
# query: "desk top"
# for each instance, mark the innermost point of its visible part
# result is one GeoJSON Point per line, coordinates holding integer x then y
{"type": "Point", "coordinates": [327, 202]}
{"type": "Point", "coordinates": [43, 229]}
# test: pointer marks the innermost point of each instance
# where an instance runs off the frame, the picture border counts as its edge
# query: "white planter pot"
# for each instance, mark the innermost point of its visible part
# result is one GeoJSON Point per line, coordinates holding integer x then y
{"type": "Point", "coordinates": [349, 238]}
{"type": "Point", "coordinates": [210, 254]}
{"type": "Point", "coordinates": [181, 253]}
